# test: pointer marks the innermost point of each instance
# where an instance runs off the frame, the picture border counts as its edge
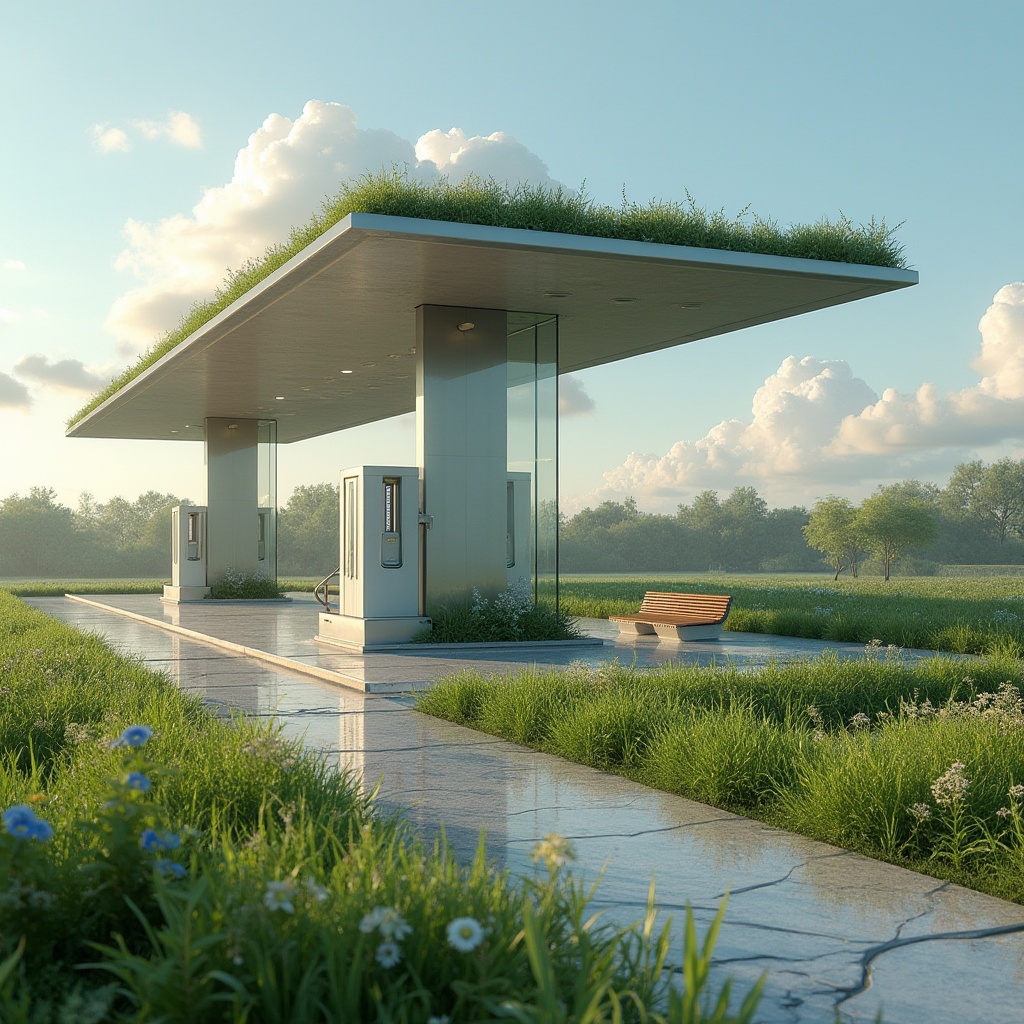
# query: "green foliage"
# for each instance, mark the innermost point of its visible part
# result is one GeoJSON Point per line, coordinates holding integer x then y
{"type": "Point", "coordinates": [243, 586]}
{"type": "Point", "coordinates": [511, 617]}
{"type": "Point", "coordinates": [535, 208]}
{"type": "Point", "coordinates": [889, 523]}
{"type": "Point", "coordinates": [220, 873]}
{"type": "Point", "coordinates": [843, 751]}
{"type": "Point", "coordinates": [41, 536]}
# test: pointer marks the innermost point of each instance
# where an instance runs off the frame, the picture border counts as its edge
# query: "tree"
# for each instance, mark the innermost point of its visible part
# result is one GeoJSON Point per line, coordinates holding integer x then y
{"type": "Point", "coordinates": [1000, 496]}
{"type": "Point", "coordinates": [890, 524]}
{"type": "Point", "coordinates": [960, 498]}
{"type": "Point", "coordinates": [831, 530]}
{"type": "Point", "coordinates": [309, 530]}
{"type": "Point", "coordinates": [37, 535]}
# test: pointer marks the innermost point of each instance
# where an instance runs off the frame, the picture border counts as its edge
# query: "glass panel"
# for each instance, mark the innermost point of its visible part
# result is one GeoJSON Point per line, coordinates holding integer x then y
{"type": "Point", "coordinates": [546, 509]}
{"type": "Point", "coordinates": [532, 432]}
{"type": "Point", "coordinates": [266, 490]}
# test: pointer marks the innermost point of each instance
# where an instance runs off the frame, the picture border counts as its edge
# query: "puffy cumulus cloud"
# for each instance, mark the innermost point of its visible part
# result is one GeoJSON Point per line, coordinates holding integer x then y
{"type": "Point", "coordinates": [497, 156]}
{"type": "Point", "coordinates": [573, 399]}
{"type": "Point", "coordinates": [14, 265]}
{"type": "Point", "coordinates": [813, 422]}
{"type": "Point", "coordinates": [988, 413]}
{"type": "Point", "coordinates": [7, 316]}
{"type": "Point", "coordinates": [180, 128]}
{"type": "Point", "coordinates": [110, 140]}
{"type": "Point", "coordinates": [13, 394]}
{"type": "Point", "coordinates": [804, 401]}
{"type": "Point", "coordinates": [64, 375]}
{"type": "Point", "coordinates": [280, 177]}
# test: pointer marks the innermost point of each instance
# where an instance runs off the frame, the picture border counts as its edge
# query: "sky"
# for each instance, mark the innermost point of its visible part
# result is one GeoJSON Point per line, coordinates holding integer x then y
{"type": "Point", "coordinates": [148, 148]}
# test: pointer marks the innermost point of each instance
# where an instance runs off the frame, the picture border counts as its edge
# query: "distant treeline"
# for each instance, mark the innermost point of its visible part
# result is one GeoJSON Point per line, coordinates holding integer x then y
{"type": "Point", "coordinates": [978, 518]}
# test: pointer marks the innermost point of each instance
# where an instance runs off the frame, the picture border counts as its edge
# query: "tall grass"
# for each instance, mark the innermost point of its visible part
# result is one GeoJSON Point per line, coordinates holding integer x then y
{"type": "Point", "coordinates": [478, 201]}
{"type": "Point", "coordinates": [841, 751]}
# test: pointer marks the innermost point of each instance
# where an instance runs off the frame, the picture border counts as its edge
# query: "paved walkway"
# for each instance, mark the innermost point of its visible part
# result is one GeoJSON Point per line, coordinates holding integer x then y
{"type": "Point", "coordinates": [835, 930]}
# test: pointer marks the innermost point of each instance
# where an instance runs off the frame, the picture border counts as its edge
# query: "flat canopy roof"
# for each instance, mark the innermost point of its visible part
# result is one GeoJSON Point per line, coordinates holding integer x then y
{"type": "Point", "coordinates": [347, 302]}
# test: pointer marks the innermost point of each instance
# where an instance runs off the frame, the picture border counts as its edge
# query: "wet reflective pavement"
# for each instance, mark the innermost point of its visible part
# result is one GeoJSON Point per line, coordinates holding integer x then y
{"type": "Point", "coordinates": [836, 931]}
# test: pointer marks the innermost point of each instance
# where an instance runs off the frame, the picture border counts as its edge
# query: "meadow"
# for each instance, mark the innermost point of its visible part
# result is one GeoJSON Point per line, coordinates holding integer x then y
{"type": "Point", "coordinates": [158, 863]}
{"type": "Point", "coordinates": [964, 615]}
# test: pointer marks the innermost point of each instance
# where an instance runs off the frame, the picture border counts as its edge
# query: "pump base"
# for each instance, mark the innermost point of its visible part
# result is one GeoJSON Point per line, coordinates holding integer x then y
{"type": "Point", "coordinates": [350, 631]}
{"type": "Point", "coordinates": [184, 595]}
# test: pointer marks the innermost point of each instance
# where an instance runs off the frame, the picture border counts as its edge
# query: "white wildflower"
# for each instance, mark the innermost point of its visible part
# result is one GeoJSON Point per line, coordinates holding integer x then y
{"type": "Point", "coordinates": [388, 953]}
{"type": "Point", "coordinates": [465, 934]}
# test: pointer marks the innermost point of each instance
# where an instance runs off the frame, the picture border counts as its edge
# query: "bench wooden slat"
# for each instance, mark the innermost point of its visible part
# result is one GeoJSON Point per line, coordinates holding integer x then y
{"type": "Point", "coordinates": [668, 610]}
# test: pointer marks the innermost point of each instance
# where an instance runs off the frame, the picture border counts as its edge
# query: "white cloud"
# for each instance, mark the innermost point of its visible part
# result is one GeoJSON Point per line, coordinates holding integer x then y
{"type": "Point", "coordinates": [280, 178]}
{"type": "Point", "coordinates": [13, 265]}
{"type": "Point", "coordinates": [180, 128]}
{"type": "Point", "coordinates": [814, 425]}
{"type": "Point", "coordinates": [64, 375]}
{"type": "Point", "coordinates": [7, 316]}
{"type": "Point", "coordinates": [573, 399]}
{"type": "Point", "coordinates": [110, 140]}
{"type": "Point", "coordinates": [13, 394]}
{"type": "Point", "coordinates": [497, 156]}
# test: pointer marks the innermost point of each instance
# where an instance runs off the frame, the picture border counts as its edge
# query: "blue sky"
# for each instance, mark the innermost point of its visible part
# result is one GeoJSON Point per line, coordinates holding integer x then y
{"type": "Point", "coordinates": [124, 121]}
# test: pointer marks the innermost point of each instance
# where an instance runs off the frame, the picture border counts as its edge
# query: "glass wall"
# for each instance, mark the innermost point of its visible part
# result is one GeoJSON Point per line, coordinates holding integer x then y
{"type": "Point", "coordinates": [266, 491]}
{"type": "Point", "coordinates": [532, 439]}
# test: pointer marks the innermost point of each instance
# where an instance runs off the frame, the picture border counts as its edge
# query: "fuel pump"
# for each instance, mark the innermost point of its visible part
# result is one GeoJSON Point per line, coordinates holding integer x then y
{"type": "Point", "coordinates": [379, 573]}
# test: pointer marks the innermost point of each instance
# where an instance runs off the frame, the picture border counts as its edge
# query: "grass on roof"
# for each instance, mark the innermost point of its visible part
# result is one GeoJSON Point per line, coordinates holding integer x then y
{"type": "Point", "coordinates": [478, 201]}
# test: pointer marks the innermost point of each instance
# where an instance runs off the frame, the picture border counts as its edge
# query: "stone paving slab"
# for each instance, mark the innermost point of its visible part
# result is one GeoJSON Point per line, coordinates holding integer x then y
{"type": "Point", "coordinates": [835, 930]}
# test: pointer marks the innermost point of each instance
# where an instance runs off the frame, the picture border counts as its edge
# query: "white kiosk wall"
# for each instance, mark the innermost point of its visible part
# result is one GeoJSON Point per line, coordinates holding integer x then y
{"type": "Point", "coordinates": [379, 586]}
{"type": "Point", "coordinates": [188, 554]}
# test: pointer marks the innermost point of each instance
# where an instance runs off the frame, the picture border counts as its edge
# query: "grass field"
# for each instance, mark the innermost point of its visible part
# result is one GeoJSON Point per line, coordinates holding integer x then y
{"type": "Point", "coordinates": [963, 615]}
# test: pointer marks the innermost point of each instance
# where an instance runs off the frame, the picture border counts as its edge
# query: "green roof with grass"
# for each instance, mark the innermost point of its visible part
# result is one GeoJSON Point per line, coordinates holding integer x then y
{"type": "Point", "coordinates": [536, 208]}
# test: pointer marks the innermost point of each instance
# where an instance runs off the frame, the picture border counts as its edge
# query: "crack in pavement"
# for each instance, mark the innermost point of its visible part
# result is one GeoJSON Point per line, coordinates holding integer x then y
{"type": "Point", "coordinates": [872, 953]}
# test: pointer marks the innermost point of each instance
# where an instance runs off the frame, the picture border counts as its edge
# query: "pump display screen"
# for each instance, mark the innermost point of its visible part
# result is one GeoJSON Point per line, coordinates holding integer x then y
{"type": "Point", "coordinates": [391, 537]}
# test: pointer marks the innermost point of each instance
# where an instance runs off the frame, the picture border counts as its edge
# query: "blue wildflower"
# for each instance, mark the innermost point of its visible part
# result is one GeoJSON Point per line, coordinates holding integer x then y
{"type": "Point", "coordinates": [170, 867]}
{"type": "Point", "coordinates": [136, 780]}
{"type": "Point", "coordinates": [22, 823]}
{"type": "Point", "coordinates": [151, 841]}
{"type": "Point", "coordinates": [133, 736]}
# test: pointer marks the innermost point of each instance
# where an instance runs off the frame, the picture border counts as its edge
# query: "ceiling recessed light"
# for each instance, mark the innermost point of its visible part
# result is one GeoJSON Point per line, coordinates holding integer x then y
{"type": "Point", "coordinates": [557, 295]}
{"type": "Point", "coordinates": [412, 351]}
{"type": "Point", "coordinates": [369, 365]}
{"type": "Point", "coordinates": [394, 355]}
{"type": "Point", "coordinates": [173, 431]}
{"type": "Point", "coordinates": [232, 426]}
{"type": "Point", "coordinates": [624, 300]}
{"type": "Point", "coordinates": [305, 388]}
{"type": "Point", "coordinates": [466, 325]}
{"type": "Point", "coordinates": [278, 398]}
{"type": "Point", "coordinates": [344, 371]}
{"type": "Point", "coordinates": [331, 380]}
{"type": "Point", "coordinates": [690, 305]}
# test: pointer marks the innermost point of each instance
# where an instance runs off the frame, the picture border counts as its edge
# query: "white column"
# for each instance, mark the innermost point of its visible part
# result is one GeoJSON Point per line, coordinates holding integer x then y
{"type": "Point", "coordinates": [461, 443]}
{"type": "Point", "coordinates": [231, 496]}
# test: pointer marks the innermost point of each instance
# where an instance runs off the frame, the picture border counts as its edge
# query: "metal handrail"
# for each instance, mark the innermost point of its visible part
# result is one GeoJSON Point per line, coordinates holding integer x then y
{"type": "Point", "coordinates": [325, 585]}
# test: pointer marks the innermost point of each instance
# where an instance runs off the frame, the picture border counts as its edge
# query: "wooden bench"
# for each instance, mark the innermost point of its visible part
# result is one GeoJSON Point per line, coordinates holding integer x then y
{"type": "Point", "coordinates": [677, 616]}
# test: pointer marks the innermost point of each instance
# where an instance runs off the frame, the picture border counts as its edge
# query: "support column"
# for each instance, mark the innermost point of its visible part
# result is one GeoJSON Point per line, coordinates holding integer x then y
{"type": "Point", "coordinates": [461, 446]}
{"type": "Point", "coordinates": [232, 485]}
